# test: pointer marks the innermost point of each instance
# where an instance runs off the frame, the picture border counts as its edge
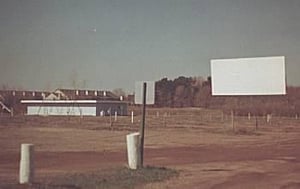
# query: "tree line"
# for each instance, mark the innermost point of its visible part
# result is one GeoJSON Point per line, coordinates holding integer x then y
{"type": "Point", "coordinates": [196, 92]}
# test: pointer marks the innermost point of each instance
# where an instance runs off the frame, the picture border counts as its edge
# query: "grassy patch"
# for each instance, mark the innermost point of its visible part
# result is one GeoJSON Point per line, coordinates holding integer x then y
{"type": "Point", "coordinates": [108, 179]}
{"type": "Point", "coordinates": [240, 131]}
{"type": "Point", "coordinates": [245, 131]}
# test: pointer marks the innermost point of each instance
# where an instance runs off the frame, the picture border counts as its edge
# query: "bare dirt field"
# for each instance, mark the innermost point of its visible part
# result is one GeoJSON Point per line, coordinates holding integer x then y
{"type": "Point", "coordinates": [200, 144]}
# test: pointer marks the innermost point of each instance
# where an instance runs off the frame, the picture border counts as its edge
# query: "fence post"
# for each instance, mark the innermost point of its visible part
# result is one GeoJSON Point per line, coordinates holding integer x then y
{"type": "Point", "coordinates": [132, 117]}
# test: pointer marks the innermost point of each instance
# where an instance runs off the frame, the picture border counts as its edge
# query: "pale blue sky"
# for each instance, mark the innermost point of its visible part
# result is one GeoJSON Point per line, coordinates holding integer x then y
{"type": "Point", "coordinates": [107, 44]}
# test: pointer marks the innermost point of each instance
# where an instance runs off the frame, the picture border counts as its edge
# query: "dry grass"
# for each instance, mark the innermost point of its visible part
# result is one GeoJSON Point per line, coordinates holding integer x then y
{"type": "Point", "coordinates": [104, 179]}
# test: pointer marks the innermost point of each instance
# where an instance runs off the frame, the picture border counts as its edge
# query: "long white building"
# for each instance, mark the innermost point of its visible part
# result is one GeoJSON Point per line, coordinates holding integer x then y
{"type": "Point", "coordinates": [74, 107]}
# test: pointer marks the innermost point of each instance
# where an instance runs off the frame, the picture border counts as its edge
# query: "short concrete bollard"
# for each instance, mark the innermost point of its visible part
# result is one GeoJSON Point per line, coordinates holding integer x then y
{"type": "Point", "coordinates": [27, 164]}
{"type": "Point", "coordinates": [133, 150]}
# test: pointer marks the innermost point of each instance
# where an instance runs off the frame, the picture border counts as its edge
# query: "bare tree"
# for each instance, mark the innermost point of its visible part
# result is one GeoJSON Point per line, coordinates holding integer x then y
{"type": "Point", "coordinates": [119, 92]}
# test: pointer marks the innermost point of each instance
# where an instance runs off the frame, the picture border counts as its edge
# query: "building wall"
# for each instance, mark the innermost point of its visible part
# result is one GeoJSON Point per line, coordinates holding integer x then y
{"type": "Point", "coordinates": [61, 110]}
{"type": "Point", "coordinates": [111, 108]}
{"type": "Point", "coordinates": [97, 108]}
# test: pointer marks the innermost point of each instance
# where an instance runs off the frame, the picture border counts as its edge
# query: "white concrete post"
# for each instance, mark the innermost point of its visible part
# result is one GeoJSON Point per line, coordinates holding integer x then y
{"type": "Point", "coordinates": [249, 116]}
{"type": "Point", "coordinates": [27, 164]}
{"type": "Point", "coordinates": [131, 116]}
{"type": "Point", "coordinates": [133, 150]}
{"type": "Point", "coordinates": [116, 116]}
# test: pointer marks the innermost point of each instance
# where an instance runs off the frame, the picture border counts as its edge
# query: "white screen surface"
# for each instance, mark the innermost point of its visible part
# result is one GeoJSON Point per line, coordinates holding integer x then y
{"type": "Point", "coordinates": [248, 76]}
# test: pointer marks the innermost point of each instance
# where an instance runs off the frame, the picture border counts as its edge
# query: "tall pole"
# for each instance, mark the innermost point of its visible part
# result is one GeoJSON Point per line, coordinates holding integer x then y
{"type": "Point", "coordinates": [142, 128]}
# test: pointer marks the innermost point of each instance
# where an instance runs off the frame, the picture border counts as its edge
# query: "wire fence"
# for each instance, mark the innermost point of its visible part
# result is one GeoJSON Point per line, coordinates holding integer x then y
{"type": "Point", "coordinates": [197, 118]}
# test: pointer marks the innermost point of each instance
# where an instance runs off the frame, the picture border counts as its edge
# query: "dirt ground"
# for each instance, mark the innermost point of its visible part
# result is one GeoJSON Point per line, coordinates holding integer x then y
{"type": "Point", "coordinates": [200, 144]}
